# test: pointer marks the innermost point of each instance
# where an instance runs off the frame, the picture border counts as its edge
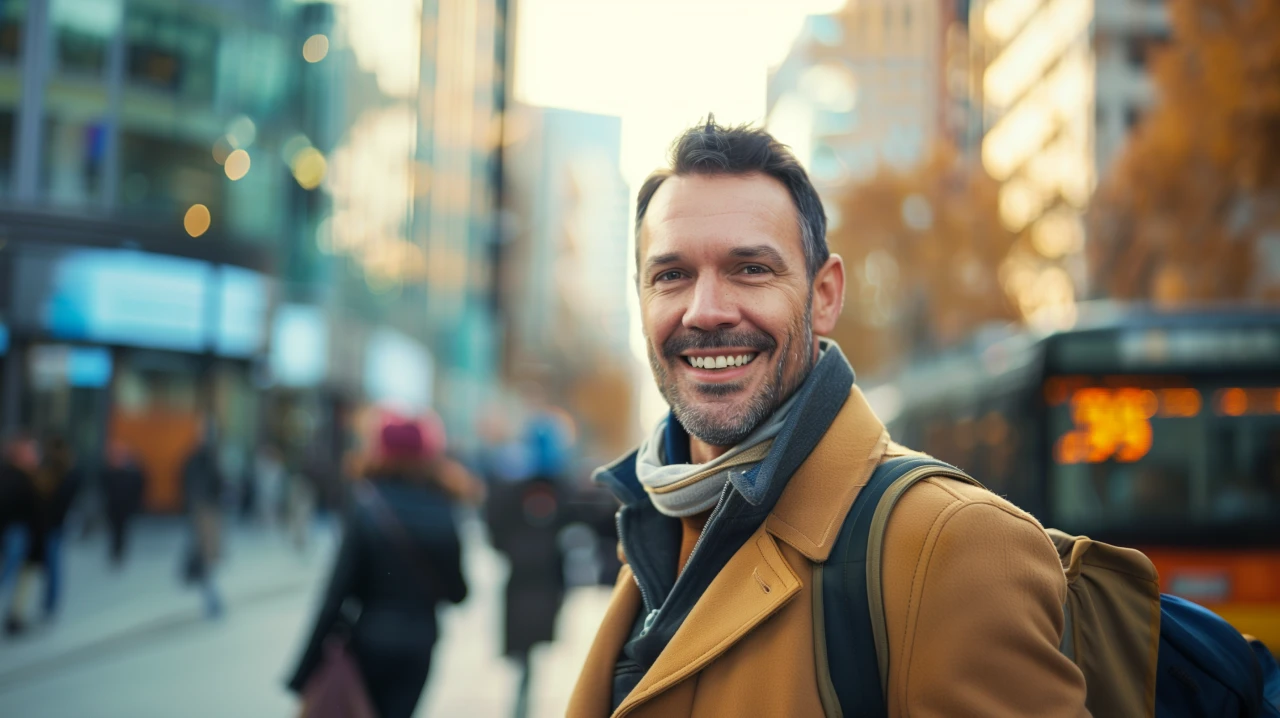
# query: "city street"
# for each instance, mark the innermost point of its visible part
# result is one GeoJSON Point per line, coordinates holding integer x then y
{"type": "Point", "coordinates": [137, 645]}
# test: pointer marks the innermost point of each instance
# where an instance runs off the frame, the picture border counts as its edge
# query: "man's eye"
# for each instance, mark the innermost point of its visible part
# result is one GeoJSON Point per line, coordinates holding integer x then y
{"type": "Point", "coordinates": [669, 276]}
{"type": "Point", "coordinates": [755, 269]}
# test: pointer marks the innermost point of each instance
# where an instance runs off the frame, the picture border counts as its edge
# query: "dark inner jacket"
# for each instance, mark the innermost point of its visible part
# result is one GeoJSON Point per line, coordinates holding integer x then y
{"type": "Point", "coordinates": [397, 577]}
{"type": "Point", "coordinates": [651, 541]}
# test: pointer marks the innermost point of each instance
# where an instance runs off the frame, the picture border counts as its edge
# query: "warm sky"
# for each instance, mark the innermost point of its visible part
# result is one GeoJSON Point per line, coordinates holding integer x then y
{"type": "Point", "coordinates": [657, 64]}
{"type": "Point", "coordinates": [660, 65]}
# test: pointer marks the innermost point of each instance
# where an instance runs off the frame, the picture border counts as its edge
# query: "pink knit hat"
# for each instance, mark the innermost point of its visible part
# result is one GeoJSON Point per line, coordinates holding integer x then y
{"type": "Point", "coordinates": [410, 439]}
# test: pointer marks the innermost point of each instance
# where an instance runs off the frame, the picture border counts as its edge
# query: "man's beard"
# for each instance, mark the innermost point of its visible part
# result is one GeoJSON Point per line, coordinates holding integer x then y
{"type": "Point", "coordinates": [702, 422]}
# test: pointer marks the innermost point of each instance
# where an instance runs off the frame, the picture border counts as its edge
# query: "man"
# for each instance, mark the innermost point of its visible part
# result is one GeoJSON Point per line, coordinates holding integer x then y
{"type": "Point", "coordinates": [736, 497]}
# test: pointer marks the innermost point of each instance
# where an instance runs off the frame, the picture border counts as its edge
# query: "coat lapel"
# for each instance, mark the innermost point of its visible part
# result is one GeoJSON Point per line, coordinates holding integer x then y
{"type": "Point", "coordinates": [755, 583]}
{"type": "Point", "coordinates": [811, 510]}
{"type": "Point", "coordinates": [593, 695]}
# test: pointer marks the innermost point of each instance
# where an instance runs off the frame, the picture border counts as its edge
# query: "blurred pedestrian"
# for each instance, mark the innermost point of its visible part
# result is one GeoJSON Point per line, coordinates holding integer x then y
{"type": "Point", "coordinates": [300, 507]}
{"type": "Point", "coordinates": [400, 557]}
{"type": "Point", "coordinates": [123, 483]}
{"type": "Point", "coordinates": [525, 513]}
{"type": "Point", "coordinates": [524, 519]}
{"type": "Point", "coordinates": [203, 485]}
{"type": "Point", "coordinates": [19, 517]}
{"type": "Point", "coordinates": [58, 483]}
{"type": "Point", "coordinates": [269, 482]}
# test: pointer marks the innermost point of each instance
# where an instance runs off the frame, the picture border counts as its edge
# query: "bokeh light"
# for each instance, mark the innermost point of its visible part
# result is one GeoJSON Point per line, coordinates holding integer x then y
{"type": "Point", "coordinates": [241, 132]}
{"type": "Point", "coordinates": [197, 220]}
{"type": "Point", "coordinates": [315, 48]}
{"type": "Point", "coordinates": [309, 167]}
{"type": "Point", "coordinates": [237, 165]}
{"type": "Point", "coordinates": [221, 150]}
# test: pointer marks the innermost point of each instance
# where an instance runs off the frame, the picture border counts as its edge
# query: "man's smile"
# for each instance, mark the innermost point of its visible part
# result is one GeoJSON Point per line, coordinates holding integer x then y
{"type": "Point", "coordinates": [718, 366]}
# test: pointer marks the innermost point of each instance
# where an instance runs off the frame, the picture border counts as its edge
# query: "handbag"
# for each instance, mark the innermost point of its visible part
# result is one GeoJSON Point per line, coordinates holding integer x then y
{"type": "Point", "coordinates": [336, 689]}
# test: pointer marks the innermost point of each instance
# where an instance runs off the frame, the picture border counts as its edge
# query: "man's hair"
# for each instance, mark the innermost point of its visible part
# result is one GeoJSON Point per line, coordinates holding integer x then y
{"type": "Point", "coordinates": [712, 149]}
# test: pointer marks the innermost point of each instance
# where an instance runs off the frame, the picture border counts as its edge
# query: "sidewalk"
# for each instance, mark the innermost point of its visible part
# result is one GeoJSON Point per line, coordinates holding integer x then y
{"type": "Point", "coordinates": [102, 607]}
{"type": "Point", "coordinates": [136, 645]}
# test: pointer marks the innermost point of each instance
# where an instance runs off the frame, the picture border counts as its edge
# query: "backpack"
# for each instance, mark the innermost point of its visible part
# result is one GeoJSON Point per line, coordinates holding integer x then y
{"type": "Point", "coordinates": [1179, 660]}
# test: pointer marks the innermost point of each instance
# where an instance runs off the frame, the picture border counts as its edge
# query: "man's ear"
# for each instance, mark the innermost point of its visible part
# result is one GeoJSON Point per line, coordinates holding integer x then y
{"type": "Point", "coordinates": [828, 296]}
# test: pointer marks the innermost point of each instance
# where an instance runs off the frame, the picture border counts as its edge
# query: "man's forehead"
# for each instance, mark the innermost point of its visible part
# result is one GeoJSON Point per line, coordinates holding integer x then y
{"type": "Point", "coordinates": [683, 196]}
{"type": "Point", "coordinates": [729, 208]}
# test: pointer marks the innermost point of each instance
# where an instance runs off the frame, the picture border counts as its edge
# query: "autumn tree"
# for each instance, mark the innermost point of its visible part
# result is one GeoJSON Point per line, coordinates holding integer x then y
{"type": "Point", "coordinates": [923, 250]}
{"type": "Point", "coordinates": [1191, 211]}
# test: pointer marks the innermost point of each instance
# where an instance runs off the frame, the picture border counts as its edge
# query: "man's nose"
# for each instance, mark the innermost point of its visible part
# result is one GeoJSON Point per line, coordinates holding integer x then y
{"type": "Point", "coordinates": [712, 306]}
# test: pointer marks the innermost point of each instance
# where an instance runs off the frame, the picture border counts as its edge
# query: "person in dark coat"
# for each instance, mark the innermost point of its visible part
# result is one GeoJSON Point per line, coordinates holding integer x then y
{"type": "Point", "coordinates": [203, 486]}
{"type": "Point", "coordinates": [58, 482]}
{"type": "Point", "coordinates": [524, 522]}
{"type": "Point", "coordinates": [123, 484]}
{"type": "Point", "coordinates": [19, 517]}
{"type": "Point", "coordinates": [400, 558]}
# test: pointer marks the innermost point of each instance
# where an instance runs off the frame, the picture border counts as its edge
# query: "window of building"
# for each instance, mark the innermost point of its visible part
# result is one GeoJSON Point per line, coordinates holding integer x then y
{"type": "Point", "coordinates": [7, 127]}
{"type": "Point", "coordinates": [1132, 116]}
{"type": "Point", "coordinates": [171, 54]}
{"type": "Point", "coordinates": [82, 31]}
{"type": "Point", "coordinates": [164, 176]}
{"type": "Point", "coordinates": [1140, 48]}
{"type": "Point", "coordinates": [73, 153]}
{"type": "Point", "coordinates": [12, 17]}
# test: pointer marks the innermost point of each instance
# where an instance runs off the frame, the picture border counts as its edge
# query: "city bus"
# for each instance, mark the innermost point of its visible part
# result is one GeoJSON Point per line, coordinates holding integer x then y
{"type": "Point", "coordinates": [1154, 430]}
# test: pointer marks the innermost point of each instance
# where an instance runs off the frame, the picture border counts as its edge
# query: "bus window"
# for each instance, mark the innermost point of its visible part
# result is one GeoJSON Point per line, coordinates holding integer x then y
{"type": "Point", "coordinates": [1138, 467]}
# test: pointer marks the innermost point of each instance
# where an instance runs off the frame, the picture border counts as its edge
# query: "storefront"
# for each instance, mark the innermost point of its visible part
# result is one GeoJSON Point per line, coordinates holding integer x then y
{"type": "Point", "coordinates": [138, 347]}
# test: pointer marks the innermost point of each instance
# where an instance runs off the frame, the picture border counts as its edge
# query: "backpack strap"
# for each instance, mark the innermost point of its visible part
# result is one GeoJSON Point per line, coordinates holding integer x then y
{"type": "Point", "coordinates": [854, 629]}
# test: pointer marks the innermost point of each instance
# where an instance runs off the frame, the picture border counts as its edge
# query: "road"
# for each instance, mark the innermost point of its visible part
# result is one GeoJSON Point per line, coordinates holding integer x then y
{"type": "Point", "coordinates": [135, 644]}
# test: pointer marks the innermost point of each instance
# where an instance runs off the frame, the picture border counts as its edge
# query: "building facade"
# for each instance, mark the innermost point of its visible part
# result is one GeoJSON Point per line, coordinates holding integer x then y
{"type": "Point", "coordinates": [566, 271]}
{"type": "Point", "coordinates": [1062, 83]}
{"type": "Point", "coordinates": [222, 213]}
{"type": "Point", "coordinates": [861, 88]}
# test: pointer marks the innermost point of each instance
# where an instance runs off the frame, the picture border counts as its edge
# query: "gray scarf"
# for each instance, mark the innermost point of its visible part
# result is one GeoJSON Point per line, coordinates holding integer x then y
{"type": "Point", "coordinates": [686, 489]}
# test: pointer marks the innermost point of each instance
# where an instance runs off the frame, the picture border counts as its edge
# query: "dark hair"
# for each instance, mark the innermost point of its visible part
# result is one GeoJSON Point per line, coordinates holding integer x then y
{"type": "Point", "coordinates": [712, 149]}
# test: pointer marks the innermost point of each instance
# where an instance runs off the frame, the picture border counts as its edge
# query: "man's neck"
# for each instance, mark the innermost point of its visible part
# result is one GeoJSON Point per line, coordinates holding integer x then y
{"type": "Point", "coordinates": [701, 452]}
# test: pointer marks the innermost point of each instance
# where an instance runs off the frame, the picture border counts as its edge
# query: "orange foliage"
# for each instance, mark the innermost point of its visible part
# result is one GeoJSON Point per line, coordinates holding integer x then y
{"type": "Point", "coordinates": [1191, 211]}
{"type": "Point", "coordinates": [922, 253]}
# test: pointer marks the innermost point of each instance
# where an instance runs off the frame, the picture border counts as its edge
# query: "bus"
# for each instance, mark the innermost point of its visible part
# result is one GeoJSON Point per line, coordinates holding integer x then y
{"type": "Point", "coordinates": [1149, 429]}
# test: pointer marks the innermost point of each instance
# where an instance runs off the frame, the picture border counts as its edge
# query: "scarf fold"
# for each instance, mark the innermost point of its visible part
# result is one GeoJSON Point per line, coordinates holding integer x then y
{"type": "Point", "coordinates": [681, 490]}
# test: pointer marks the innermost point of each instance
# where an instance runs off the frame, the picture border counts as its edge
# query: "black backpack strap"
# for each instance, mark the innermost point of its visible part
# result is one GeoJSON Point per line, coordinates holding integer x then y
{"type": "Point", "coordinates": [852, 608]}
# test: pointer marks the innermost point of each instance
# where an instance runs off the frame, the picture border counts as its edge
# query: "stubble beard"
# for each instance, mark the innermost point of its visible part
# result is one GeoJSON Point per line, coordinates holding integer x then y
{"type": "Point", "coordinates": [728, 425]}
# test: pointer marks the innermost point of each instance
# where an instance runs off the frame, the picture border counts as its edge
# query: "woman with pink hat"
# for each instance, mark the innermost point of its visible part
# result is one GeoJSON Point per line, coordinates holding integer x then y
{"type": "Point", "coordinates": [400, 557]}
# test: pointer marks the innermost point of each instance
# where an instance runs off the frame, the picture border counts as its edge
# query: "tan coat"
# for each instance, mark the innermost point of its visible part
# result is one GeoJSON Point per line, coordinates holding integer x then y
{"type": "Point", "coordinates": [973, 593]}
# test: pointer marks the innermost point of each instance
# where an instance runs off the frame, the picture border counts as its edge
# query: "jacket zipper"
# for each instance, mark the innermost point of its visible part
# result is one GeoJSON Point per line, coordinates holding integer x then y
{"type": "Point", "coordinates": [652, 618]}
{"type": "Point", "coordinates": [644, 595]}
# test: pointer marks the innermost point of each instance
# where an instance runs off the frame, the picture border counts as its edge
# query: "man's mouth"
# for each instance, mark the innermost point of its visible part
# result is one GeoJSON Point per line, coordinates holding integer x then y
{"type": "Point", "coordinates": [720, 361]}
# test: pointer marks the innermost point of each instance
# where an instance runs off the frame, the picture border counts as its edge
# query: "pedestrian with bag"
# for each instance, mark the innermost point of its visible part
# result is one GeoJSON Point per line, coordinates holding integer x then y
{"type": "Point", "coordinates": [400, 556]}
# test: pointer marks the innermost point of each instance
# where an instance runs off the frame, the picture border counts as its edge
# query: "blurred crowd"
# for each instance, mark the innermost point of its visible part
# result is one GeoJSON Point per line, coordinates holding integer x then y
{"type": "Point", "coordinates": [404, 492]}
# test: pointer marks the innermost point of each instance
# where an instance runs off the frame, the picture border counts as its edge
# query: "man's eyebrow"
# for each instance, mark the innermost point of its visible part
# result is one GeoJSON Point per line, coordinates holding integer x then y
{"type": "Point", "coordinates": [759, 251]}
{"type": "Point", "coordinates": [661, 259]}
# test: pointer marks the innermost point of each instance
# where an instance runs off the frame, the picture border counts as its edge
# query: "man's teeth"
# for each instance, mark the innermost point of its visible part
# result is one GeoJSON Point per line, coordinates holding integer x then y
{"type": "Point", "coordinates": [720, 362]}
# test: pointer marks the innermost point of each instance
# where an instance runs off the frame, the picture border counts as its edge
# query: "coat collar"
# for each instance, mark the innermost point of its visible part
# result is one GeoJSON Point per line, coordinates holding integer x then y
{"type": "Point", "coordinates": [758, 580]}
{"type": "Point", "coordinates": [810, 512]}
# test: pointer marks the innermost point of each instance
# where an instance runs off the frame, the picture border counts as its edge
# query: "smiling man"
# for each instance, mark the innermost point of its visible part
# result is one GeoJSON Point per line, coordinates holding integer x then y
{"type": "Point", "coordinates": [733, 504]}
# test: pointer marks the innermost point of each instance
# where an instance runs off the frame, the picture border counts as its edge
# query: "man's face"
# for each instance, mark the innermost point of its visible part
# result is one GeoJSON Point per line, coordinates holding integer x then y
{"type": "Point", "coordinates": [726, 303]}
